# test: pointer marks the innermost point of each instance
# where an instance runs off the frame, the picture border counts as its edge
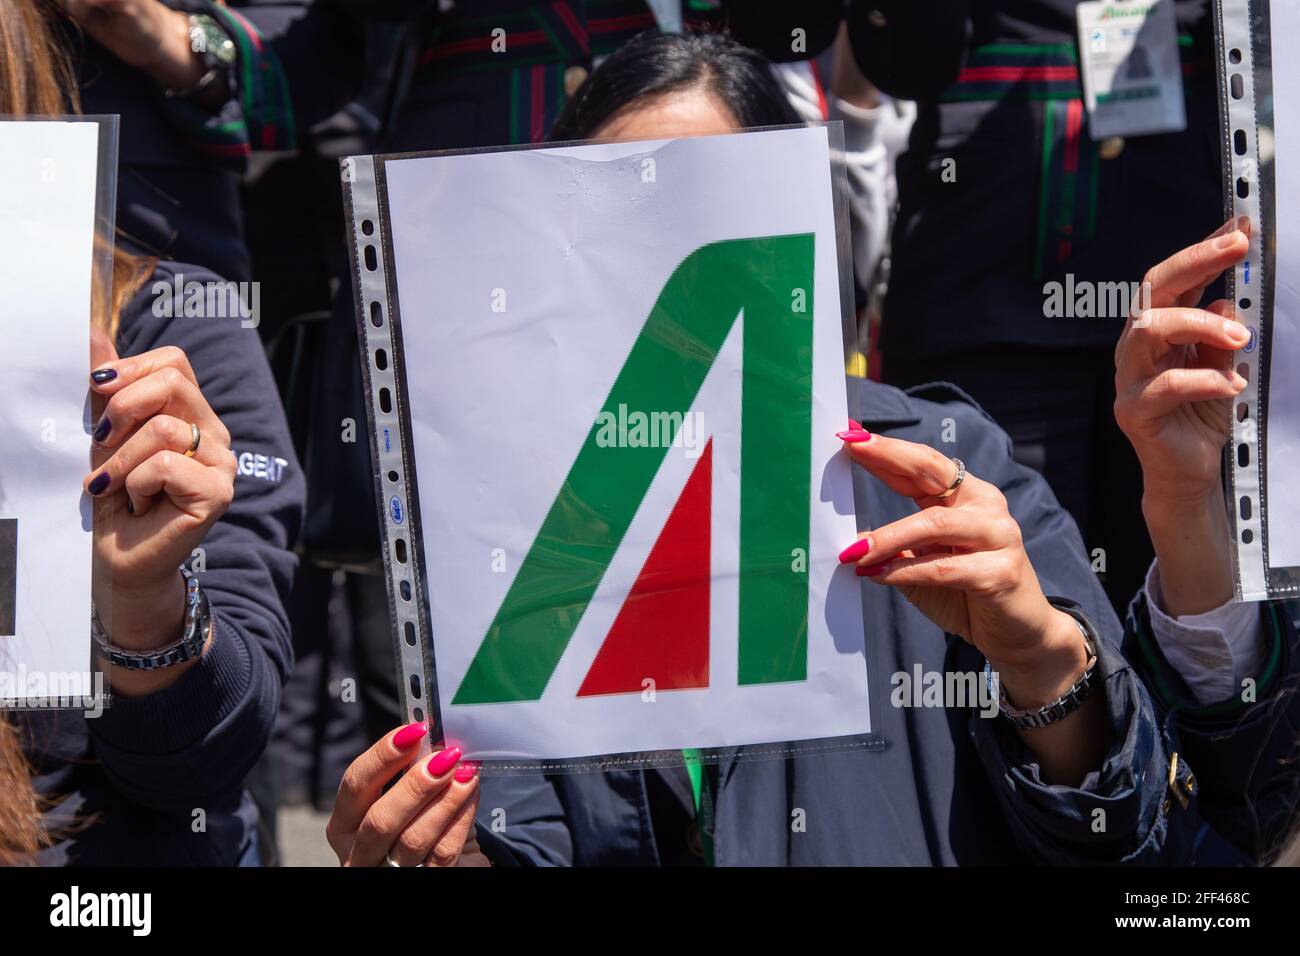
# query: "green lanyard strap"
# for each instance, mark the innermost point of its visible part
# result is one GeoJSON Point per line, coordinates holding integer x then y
{"type": "Point", "coordinates": [702, 794]}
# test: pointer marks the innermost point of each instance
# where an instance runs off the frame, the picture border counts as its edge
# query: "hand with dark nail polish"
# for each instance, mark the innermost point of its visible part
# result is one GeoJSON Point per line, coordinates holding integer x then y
{"type": "Point", "coordinates": [164, 484]}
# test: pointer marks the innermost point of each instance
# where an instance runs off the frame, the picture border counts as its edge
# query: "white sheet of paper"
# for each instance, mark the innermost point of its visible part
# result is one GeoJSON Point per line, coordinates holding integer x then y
{"type": "Point", "coordinates": [47, 222]}
{"type": "Point", "coordinates": [572, 246]}
{"type": "Point", "coordinates": [1282, 446]}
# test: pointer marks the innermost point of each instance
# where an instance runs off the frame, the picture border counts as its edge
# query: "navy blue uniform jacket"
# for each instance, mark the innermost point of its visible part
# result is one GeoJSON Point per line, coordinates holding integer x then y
{"type": "Point", "coordinates": [951, 787]}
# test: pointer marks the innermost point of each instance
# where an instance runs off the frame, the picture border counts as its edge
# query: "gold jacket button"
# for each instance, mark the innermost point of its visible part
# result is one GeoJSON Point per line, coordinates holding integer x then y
{"type": "Point", "coordinates": [574, 77]}
{"type": "Point", "coordinates": [1111, 147]}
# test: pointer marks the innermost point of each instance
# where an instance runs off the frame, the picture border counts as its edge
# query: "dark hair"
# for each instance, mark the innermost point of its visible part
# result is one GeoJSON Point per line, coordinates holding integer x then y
{"type": "Point", "coordinates": [653, 64]}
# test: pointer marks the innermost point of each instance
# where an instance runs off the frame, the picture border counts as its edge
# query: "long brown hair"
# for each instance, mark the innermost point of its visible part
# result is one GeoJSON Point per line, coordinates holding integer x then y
{"type": "Point", "coordinates": [36, 79]}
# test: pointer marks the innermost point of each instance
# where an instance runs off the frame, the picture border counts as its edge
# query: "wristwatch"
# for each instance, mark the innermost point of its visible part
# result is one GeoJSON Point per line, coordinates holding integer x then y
{"type": "Point", "coordinates": [194, 635]}
{"type": "Point", "coordinates": [213, 45]}
{"type": "Point", "coordinates": [1064, 705]}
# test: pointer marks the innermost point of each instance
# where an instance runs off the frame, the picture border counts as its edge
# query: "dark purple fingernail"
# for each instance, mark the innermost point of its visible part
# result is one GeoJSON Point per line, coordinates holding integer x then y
{"type": "Point", "coordinates": [98, 483]}
{"type": "Point", "coordinates": [102, 429]}
{"type": "Point", "coordinates": [100, 376]}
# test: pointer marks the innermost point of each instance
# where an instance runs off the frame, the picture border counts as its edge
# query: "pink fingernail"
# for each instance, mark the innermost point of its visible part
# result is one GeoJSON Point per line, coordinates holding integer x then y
{"type": "Point", "coordinates": [443, 761]}
{"type": "Point", "coordinates": [856, 425]}
{"type": "Point", "coordinates": [408, 735]}
{"type": "Point", "coordinates": [856, 550]}
{"type": "Point", "coordinates": [854, 435]}
{"type": "Point", "coordinates": [466, 772]}
{"type": "Point", "coordinates": [870, 570]}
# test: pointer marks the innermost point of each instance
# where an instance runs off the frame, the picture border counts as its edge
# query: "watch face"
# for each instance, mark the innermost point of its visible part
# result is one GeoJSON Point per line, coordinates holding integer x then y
{"type": "Point", "coordinates": [207, 37]}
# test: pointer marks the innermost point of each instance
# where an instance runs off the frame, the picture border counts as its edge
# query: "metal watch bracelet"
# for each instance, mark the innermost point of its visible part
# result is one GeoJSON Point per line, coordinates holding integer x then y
{"type": "Point", "coordinates": [194, 635]}
{"type": "Point", "coordinates": [1064, 705]}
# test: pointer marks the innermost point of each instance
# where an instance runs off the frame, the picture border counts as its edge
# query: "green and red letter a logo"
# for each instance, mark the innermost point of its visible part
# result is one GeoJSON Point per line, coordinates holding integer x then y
{"type": "Point", "coordinates": [662, 631]}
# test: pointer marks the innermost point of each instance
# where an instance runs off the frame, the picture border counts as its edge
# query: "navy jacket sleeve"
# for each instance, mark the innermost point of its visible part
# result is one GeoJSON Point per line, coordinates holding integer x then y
{"type": "Point", "coordinates": [320, 44]}
{"type": "Point", "coordinates": [297, 62]}
{"type": "Point", "coordinates": [1118, 812]}
{"type": "Point", "coordinates": [522, 822]}
{"type": "Point", "coordinates": [198, 738]}
{"type": "Point", "coordinates": [1243, 751]}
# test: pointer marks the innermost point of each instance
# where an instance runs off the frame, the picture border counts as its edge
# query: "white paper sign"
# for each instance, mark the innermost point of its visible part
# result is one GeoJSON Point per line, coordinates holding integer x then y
{"type": "Point", "coordinates": [624, 365]}
{"type": "Point", "coordinates": [1283, 428]}
{"type": "Point", "coordinates": [47, 219]}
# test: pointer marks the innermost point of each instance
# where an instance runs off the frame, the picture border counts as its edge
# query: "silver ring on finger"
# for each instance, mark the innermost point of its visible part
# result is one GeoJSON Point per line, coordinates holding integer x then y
{"type": "Point", "coordinates": [956, 482]}
{"type": "Point", "coordinates": [389, 861]}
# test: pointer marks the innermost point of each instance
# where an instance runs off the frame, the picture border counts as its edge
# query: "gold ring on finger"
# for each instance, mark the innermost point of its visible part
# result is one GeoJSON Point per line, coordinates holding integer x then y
{"type": "Point", "coordinates": [195, 437]}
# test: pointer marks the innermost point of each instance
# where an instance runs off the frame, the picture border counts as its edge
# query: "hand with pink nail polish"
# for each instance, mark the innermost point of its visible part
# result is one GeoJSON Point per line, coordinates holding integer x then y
{"type": "Point", "coordinates": [961, 561]}
{"type": "Point", "coordinates": [425, 819]}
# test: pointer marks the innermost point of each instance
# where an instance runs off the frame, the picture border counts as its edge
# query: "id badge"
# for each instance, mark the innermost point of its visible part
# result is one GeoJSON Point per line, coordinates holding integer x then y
{"type": "Point", "coordinates": [1132, 73]}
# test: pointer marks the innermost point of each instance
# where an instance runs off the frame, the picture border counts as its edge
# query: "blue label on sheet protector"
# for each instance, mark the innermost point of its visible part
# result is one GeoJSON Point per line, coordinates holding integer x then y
{"type": "Point", "coordinates": [388, 440]}
{"type": "Point", "coordinates": [395, 509]}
